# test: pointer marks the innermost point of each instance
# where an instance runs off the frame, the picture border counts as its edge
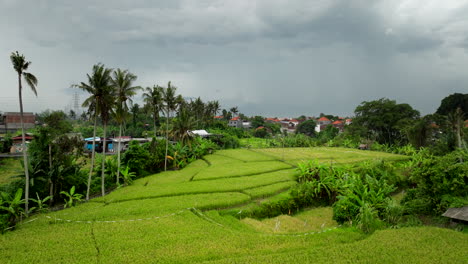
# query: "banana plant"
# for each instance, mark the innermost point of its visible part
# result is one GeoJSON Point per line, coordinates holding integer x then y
{"type": "Point", "coordinates": [127, 176]}
{"type": "Point", "coordinates": [41, 203]}
{"type": "Point", "coordinates": [72, 197]}
{"type": "Point", "coordinates": [12, 206]}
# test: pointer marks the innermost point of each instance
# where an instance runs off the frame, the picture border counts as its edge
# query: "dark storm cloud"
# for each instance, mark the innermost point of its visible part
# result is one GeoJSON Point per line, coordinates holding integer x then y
{"type": "Point", "coordinates": [274, 57]}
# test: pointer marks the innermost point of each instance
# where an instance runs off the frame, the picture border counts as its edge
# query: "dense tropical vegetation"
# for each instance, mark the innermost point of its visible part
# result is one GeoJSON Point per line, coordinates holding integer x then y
{"type": "Point", "coordinates": [275, 173]}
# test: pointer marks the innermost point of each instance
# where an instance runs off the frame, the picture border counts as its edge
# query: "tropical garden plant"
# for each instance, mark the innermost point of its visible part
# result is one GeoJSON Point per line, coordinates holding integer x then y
{"type": "Point", "coordinates": [71, 197]}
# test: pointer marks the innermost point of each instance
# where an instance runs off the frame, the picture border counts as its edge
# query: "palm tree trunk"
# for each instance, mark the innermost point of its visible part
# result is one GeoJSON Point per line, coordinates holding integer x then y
{"type": "Point", "coordinates": [92, 159]}
{"type": "Point", "coordinates": [103, 164]}
{"type": "Point", "coordinates": [118, 154]}
{"type": "Point", "coordinates": [154, 124]}
{"type": "Point", "coordinates": [167, 139]}
{"type": "Point", "coordinates": [25, 156]}
{"type": "Point", "coordinates": [51, 183]}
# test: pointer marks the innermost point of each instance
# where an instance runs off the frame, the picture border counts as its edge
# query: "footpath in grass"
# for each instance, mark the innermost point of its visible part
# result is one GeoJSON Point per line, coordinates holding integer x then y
{"type": "Point", "coordinates": [173, 217]}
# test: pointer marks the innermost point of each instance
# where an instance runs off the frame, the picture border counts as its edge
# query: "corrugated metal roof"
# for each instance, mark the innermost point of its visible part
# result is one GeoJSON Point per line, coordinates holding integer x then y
{"type": "Point", "coordinates": [457, 213]}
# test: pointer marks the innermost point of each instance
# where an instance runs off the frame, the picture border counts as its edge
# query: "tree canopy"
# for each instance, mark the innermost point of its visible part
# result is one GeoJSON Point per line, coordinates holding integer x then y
{"type": "Point", "coordinates": [307, 128]}
{"type": "Point", "coordinates": [384, 120]}
{"type": "Point", "coordinates": [450, 103]}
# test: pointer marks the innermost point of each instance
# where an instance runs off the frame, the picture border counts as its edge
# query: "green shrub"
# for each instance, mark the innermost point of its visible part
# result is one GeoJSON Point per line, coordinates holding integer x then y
{"type": "Point", "coordinates": [136, 158]}
{"type": "Point", "coordinates": [436, 178]}
{"type": "Point", "coordinates": [368, 219]}
{"type": "Point", "coordinates": [344, 210]}
{"type": "Point", "coordinates": [393, 213]}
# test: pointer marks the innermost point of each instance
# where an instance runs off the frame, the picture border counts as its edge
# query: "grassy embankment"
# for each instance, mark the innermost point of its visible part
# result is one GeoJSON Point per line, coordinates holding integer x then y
{"type": "Point", "coordinates": [9, 168]}
{"type": "Point", "coordinates": [150, 221]}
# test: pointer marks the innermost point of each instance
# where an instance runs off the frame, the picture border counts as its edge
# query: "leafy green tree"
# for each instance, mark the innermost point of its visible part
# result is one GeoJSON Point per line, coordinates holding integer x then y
{"type": "Point", "coordinates": [450, 104]}
{"type": "Point", "coordinates": [53, 147]}
{"type": "Point", "coordinates": [420, 133]}
{"type": "Point", "coordinates": [258, 121]}
{"type": "Point", "coordinates": [456, 120]}
{"type": "Point", "coordinates": [99, 103]}
{"type": "Point", "coordinates": [123, 84]}
{"type": "Point", "coordinates": [329, 133]}
{"type": "Point", "coordinates": [307, 128]}
{"type": "Point", "coordinates": [384, 120]}
{"type": "Point", "coordinates": [260, 132]}
{"type": "Point", "coordinates": [21, 66]}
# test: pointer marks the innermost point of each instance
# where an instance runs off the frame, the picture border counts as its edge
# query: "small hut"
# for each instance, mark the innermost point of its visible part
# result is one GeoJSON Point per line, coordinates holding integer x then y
{"type": "Point", "coordinates": [457, 214]}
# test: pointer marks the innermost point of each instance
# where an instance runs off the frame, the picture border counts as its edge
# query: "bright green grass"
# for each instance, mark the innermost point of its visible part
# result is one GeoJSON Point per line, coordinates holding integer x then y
{"type": "Point", "coordinates": [333, 155]}
{"type": "Point", "coordinates": [316, 219]}
{"type": "Point", "coordinates": [268, 190]}
{"type": "Point", "coordinates": [236, 184]}
{"type": "Point", "coordinates": [9, 168]}
{"type": "Point", "coordinates": [245, 155]}
{"type": "Point", "coordinates": [154, 225]}
{"type": "Point", "coordinates": [240, 169]}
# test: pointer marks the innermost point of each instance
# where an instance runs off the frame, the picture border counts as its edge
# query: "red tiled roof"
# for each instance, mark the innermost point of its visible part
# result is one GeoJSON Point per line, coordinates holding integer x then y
{"type": "Point", "coordinates": [323, 119]}
{"type": "Point", "coordinates": [20, 138]}
{"type": "Point", "coordinates": [218, 117]}
{"type": "Point", "coordinates": [337, 122]}
{"type": "Point", "coordinates": [260, 127]}
{"type": "Point", "coordinates": [235, 118]}
{"type": "Point", "coordinates": [349, 120]}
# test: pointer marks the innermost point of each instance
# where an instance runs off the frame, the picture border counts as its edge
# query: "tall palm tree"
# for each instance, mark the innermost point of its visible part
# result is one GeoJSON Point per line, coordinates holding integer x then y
{"type": "Point", "coordinates": [170, 104]}
{"type": "Point", "coordinates": [99, 86]}
{"type": "Point", "coordinates": [234, 110]}
{"type": "Point", "coordinates": [154, 102]}
{"type": "Point", "coordinates": [182, 125]}
{"type": "Point", "coordinates": [122, 82]}
{"type": "Point", "coordinates": [21, 66]}
{"type": "Point", "coordinates": [197, 107]}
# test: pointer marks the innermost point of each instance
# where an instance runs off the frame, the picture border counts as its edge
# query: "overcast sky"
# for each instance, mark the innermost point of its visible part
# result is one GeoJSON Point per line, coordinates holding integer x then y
{"type": "Point", "coordinates": [268, 57]}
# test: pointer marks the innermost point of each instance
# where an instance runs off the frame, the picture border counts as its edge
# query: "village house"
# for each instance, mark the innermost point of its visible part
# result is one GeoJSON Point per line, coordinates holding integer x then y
{"type": "Point", "coordinates": [10, 122]}
{"type": "Point", "coordinates": [17, 144]}
{"type": "Point", "coordinates": [338, 124]}
{"type": "Point", "coordinates": [235, 122]}
{"type": "Point", "coordinates": [322, 123]}
{"type": "Point", "coordinates": [288, 125]}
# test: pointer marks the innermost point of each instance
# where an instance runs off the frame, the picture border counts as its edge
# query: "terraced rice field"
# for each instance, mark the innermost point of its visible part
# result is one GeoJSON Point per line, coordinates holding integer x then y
{"type": "Point", "coordinates": [173, 217]}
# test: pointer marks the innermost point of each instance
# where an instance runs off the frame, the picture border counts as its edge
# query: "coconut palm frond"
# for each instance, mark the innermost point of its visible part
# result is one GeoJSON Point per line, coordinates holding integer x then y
{"type": "Point", "coordinates": [31, 80]}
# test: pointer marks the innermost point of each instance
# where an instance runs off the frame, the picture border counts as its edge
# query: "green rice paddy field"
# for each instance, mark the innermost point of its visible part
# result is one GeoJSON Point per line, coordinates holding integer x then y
{"type": "Point", "coordinates": [173, 217]}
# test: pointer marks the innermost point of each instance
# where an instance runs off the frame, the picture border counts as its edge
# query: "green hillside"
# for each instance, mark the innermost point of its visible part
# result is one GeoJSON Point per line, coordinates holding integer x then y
{"type": "Point", "coordinates": [173, 217]}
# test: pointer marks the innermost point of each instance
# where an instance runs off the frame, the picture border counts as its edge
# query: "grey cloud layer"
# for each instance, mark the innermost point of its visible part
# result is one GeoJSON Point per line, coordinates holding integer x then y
{"type": "Point", "coordinates": [271, 57]}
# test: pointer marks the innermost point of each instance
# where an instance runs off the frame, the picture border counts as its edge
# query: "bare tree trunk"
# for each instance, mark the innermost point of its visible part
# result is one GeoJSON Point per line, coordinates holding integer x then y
{"type": "Point", "coordinates": [92, 159]}
{"type": "Point", "coordinates": [25, 156]}
{"type": "Point", "coordinates": [103, 164]}
{"type": "Point", "coordinates": [167, 139]}
{"type": "Point", "coordinates": [51, 183]}
{"type": "Point", "coordinates": [154, 124]}
{"type": "Point", "coordinates": [118, 154]}
{"type": "Point", "coordinates": [458, 132]}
